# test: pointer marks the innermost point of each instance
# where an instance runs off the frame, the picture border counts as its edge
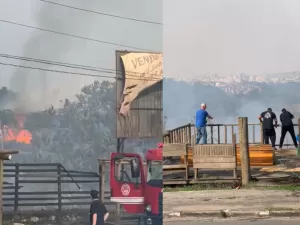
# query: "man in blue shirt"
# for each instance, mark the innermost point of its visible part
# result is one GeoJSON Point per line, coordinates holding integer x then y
{"type": "Point", "coordinates": [201, 120]}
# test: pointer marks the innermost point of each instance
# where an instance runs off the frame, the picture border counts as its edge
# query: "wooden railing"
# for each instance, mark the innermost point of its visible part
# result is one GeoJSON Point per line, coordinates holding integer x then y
{"type": "Point", "coordinates": [216, 134]}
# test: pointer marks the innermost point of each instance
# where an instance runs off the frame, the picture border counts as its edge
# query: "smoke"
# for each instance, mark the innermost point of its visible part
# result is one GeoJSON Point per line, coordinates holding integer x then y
{"type": "Point", "coordinates": [39, 89]}
{"type": "Point", "coordinates": [7, 97]}
{"type": "Point", "coordinates": [180, 106]}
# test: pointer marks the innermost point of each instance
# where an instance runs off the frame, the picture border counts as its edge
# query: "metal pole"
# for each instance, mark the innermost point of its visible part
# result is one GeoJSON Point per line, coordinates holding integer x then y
{"type": "Point", "coordinates": [120, 145]}
{"type": "Point", "coordinates": [2, 138]}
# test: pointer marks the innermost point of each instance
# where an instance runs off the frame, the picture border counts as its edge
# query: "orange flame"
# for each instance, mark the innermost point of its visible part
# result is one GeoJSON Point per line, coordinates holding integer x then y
{"type": "Point", "coordinates": [19, 135]}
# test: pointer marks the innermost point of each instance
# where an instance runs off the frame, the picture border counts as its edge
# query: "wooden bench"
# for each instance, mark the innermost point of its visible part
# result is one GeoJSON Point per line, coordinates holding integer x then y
{"type": "Point", "coordinates": [214, 157]}
{"type": "Point", "coordinates": [176, 150]}
{"type": "Point", "coordinates": [260, 155]}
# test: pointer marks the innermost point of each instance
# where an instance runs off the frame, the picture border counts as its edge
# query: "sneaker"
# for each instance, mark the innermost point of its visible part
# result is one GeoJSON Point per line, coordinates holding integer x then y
{"type": "Point", "coordinates": [274, 148]}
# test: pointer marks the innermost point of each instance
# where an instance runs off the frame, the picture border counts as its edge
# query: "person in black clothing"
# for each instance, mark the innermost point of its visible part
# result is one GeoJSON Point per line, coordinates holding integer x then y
{"type": "Point", "coordinates": [286, 119]}
{"type": "Point", "coordinates": [267, 119]}
{"type": "Point", "coordinates": [98, 211]}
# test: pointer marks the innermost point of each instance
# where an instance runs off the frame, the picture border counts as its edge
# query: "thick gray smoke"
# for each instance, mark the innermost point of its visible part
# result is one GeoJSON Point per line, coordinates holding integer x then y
{"type": "Point", "coordinates": [39, 89]}
{"type": "Point", "coordinates": [180, 106]}
{"type": "Point", "coordinates": [84, 131]}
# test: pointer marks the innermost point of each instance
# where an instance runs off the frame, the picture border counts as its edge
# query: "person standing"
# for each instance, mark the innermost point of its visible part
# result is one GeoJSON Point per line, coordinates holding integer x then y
{"type": "Point", "coordinates": [267, 118]}
{"type": "Point", "coordinates": [201, 120]}
{"type": "Point", "coordinates": [286, 119]}
{"type": "Point", "coordinates": [98, 211]}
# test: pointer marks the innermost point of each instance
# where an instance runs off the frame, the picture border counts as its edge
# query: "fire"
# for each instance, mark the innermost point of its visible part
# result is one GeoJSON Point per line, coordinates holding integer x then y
{"type": "Point", "coordinates": [19, 134]}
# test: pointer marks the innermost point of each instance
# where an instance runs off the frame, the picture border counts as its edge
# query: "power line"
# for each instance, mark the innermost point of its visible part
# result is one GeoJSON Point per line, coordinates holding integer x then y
{"type": "Point", "coordinates": [58, 71]}
{"type": "Point", "coordinates": [74, 36]}
{"type": "Point", "coordinates": [100, 13]}
{"type": "Point", "coordinates": [74, 73]}
{"type": "Point", "coordinates": [75, 66]}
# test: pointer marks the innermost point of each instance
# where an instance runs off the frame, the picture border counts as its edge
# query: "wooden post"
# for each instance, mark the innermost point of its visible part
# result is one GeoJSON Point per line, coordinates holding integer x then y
{"type": "Point", "coordinates": [232, 133]}
{"type": "Point", "coordinates": [1, 191]}
{"type": "Point", "coordinates": [186, 162]}
{"type": "Point", "coordinates": [190, 134]}
{"type": "Point", "coordinates": [118, 213]}
{"type": "Point", "coordinates": [211, 134]}
{"type": "Point", "coordinates": [101, 180]}
{"type": "Point", "coordinates": [118, 206]}
{"type": "Point", "coordinates": [261, 133]}
{"type": "Point", "coordinates": [234, 147]}
{"type": "Point", "coordinates": [244, 149]}
{"type": "Point", "coordinates": [253, 133]}
{"type": "Point", "coordinates": [225, 133]}
{"type": "Point", "coordinates": [219, 141]}
{"type": "Point", "coordinates": [4, 155]}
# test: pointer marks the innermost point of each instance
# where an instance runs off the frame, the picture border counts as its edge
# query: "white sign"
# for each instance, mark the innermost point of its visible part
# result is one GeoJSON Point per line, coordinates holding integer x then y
{"type": "Point", "coordinates": [125, 189]}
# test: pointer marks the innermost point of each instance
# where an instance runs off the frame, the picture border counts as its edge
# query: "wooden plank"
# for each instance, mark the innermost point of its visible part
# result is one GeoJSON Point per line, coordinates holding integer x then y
{"type": "Point", "coordinates": [297, 169]}
{"type": "Point", "coordinates": [174, 182]}
{"type": "Point", "coordinates": [210, 181]}
{"type": "Point", "coordinates": [209, 165]}
{"type": "Point", "coordinates": [174, 150]}
{"type": "Point", "coordinates": [214, 159]}
{"type": "Point", "coordinates": [178, 166]}
{"type": "Point", "coordinates": [205, 150]}
{"type": "Point", "coordinates": [258, 147]}
{"type": "Point", "coordinates": [280, 168]}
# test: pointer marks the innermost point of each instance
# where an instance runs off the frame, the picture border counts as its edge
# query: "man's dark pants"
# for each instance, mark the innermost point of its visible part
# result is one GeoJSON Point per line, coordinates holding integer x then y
{"type": "Point", "coordinates": [270, 134]}
{"type": "Point", "coordinates": [291, 130]}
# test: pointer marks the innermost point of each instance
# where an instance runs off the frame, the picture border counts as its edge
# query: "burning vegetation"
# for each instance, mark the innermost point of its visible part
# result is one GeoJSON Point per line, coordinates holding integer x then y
{"type": "Point", "coordinates": [75, 134]}
{"type": "Point", "coordinates": [16, 132]}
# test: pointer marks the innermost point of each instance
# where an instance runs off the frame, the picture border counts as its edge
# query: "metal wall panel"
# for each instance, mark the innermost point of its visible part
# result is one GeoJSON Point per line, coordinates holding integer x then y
{"type": "Point", "coordinates": [145, 117]}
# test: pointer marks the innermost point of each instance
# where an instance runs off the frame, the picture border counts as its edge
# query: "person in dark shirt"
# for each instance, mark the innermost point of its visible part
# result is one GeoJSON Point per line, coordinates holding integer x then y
{"type": "Point", "coordinates": [200, 124]}
{"type": "Point", "coordinates": [98, 211]}
{"type": "Point", "coordinates": [267, 118]}
{"type": "Point", "coordinates": [286, 119]}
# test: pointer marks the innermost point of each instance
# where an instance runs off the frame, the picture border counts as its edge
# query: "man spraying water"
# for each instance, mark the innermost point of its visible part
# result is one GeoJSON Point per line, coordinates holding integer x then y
{"type": "Point", "coordinates": [201, 123]}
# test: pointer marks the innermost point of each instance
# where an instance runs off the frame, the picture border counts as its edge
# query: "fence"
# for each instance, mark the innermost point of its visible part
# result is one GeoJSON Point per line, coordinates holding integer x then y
{"type": "Point", "coordinates": [47, 186]}
{"type": "Point", "coordinates": [217, 133]}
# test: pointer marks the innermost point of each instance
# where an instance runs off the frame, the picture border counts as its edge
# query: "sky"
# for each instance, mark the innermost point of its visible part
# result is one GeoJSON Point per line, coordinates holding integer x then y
{"type": "Point", "coordinates": [44, 88]}
{"type": "Point", "coordinates": [230, 36]}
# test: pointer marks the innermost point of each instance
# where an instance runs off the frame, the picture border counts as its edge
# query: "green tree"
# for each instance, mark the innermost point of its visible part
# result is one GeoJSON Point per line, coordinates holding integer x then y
{"type": "Point", "coordinates": [80, 132]}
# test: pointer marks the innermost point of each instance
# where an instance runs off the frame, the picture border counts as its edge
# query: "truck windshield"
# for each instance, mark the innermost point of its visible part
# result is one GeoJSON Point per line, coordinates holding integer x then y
{"type": "Point", "coordinates": [155, 173]}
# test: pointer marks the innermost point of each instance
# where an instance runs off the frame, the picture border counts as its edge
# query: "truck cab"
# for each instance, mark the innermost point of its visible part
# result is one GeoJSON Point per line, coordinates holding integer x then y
{"type": "Point", "coordinates": [137, 185]}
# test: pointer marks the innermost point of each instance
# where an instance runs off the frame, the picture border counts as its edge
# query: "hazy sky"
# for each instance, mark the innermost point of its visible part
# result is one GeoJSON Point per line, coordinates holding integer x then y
{"type": "Point", "coordinates": [230, 36]}
{"type": "Point", "coordinates": [27, 42]}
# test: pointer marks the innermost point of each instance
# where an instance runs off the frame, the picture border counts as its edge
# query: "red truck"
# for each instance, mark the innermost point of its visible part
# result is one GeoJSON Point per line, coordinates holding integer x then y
{"type": "Point", "coordinates": [138, 186]}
